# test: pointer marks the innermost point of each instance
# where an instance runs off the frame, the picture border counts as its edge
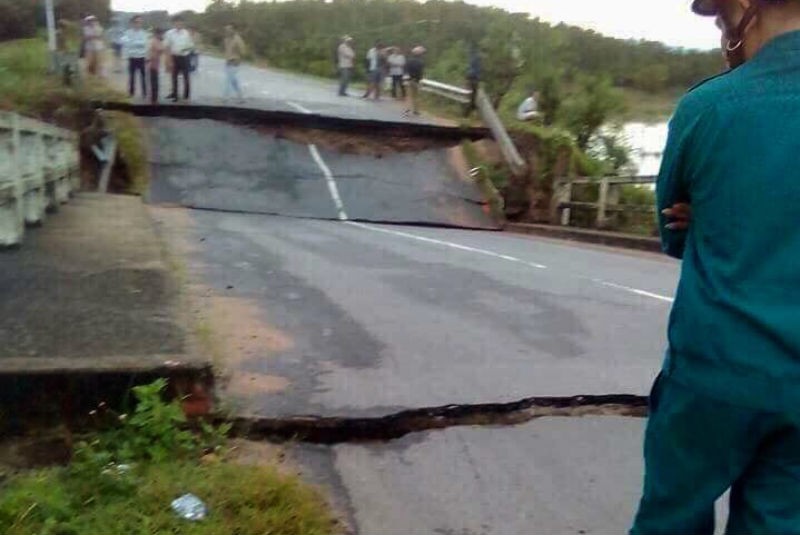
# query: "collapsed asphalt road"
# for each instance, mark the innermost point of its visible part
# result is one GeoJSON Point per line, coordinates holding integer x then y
{"type": "Point", "coordinates": [322, 320]}
{"type": "Point", "coordinates": [213, 165]}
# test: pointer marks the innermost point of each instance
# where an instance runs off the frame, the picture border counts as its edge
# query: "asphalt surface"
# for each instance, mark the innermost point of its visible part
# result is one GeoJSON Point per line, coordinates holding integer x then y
{"type": "Point", "coordinates": [389, 318]}
{"type": "Point", "coordinates": [278, 90]}
{"type": "Point", "coordinates": [214, 165]}
{"type": "Point", "coordinates": [346, 319]}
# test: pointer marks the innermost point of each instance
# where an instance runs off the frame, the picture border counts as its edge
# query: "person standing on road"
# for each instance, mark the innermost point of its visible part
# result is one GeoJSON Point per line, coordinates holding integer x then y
{"type": "Point", "coordinates": [179, 44]}
{"type": "Point", "coordinates": [345, 63]}
{"type": "Point", "coordinates": [473, 78]}
{"type": "Point", "coordinates": [234, 50]}
{"type": "Point", "coordinates": [416, 71]}
{"type": "Point", "coordinates": [397, 70]}
{"type": "Point", "coordinates": [725, 410]}
{"type": "Point", "coordinates": [374, 71]}
{"type": "Point", "coordinates": [194, 56]}
{"type": "Point", "coordinates": [155, 52]}
{"type": "Point", "coordinates": [93, 38]}
{"type": "Point", "coordinates": [116, 35]}
{"type": "Point", "coordinates": [135, 42]}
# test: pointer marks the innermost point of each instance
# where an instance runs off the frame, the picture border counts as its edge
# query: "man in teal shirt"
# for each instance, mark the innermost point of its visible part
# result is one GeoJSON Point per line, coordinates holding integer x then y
{"type": "Point", "coordinates": [725, 411]}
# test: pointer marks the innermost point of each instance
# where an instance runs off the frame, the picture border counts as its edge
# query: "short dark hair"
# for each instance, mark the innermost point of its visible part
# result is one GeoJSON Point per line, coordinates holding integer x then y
{"type": "Point", "coordinates": [177, 18]}
{"type": "Point", "coordinates": [136, 17]}
{"type": "Point", "coordinates": [158, 32]}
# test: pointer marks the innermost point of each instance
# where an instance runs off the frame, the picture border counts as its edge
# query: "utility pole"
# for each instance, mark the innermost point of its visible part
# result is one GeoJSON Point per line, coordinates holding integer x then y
{"type": "Point", "coordinates": [51, 32]}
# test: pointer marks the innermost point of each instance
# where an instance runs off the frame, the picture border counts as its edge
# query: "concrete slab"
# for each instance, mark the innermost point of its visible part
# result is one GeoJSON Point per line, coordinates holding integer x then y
{"type": "Point", "coordinates": [90, 291]}
{"type": "Point", "coordinates": [214, 165]}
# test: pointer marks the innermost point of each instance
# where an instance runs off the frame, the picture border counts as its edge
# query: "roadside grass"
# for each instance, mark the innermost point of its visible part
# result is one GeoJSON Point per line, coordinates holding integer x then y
{"type": "Point", "coordinates": [27, 88]}
{"type": "Point", "coordinates": [240, 499]}
{"type": "Point", "coordinates": [123, 479]}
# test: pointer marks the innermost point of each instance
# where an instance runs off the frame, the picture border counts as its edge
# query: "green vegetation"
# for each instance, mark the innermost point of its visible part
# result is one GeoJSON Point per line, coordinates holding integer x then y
{"type": "Point", "coordinates": [490, 178]}
{"type": "Point", "coordinates": [518, 52]}
{"type": "Point", "coordinates": [123, 479]}
{"type": "Point", "coordinates": [26, 87]}
{"type": "Point", "coordinates": [20, 19]}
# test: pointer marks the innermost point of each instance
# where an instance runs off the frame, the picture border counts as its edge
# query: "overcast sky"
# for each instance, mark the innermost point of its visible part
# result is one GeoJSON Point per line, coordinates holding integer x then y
{"type": "Point", "coordinates": [668, 21]}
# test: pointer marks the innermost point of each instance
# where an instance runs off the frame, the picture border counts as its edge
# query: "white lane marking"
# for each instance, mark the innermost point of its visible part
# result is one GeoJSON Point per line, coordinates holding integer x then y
{"type": "Point", "coordinates": [451, 245]}
{"type": "Point", "coordinates": [636, 291]}
{"type": "Point", "coordinates": [342, 214]}
{"type": "Point", "coordinates": [298, 107]}
{"type": "Point", "coordinates": [332, 187]}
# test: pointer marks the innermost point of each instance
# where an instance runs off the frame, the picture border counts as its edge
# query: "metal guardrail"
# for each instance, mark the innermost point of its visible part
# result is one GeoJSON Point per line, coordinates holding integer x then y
{"type": "Point", "coordinates": [607, 198]}
{"type": "Point", "coordinates": [39, 169]}
{"type": "Point", "coordinates": [489, 116]}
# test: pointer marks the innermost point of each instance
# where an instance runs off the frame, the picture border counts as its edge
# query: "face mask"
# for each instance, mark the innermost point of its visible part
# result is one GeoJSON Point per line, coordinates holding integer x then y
{"type": "Point", "coordinates": [734, 48]}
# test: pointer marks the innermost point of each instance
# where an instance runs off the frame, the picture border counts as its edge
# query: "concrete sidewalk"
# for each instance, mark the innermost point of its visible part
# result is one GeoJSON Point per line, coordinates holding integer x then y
{"type": "Point", "coordinates": [91, 292]}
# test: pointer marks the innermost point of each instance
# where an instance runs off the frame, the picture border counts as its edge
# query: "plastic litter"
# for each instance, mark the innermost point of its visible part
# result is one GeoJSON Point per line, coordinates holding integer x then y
{"type": "Point", "coordinates": [189, 507]}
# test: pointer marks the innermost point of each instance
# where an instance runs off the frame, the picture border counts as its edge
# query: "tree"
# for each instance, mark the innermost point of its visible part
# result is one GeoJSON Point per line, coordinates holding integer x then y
{"type": "Point", "coordinates": [502, 59]}
{"type": "Point", "coordinates": [590, 107]}
{"type": "Point", "coordinates": [550, 97]}
{"type": "Point", "coordinates": [17, 19]}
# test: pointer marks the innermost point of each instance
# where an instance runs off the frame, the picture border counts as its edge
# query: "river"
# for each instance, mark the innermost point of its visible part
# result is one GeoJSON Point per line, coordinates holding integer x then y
{"type": "Point", "coordinates": [646, 141]}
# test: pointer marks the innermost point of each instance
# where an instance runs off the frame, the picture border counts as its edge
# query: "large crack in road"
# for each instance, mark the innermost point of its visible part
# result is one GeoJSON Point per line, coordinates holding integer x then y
{"type": "Point", "coordinates": [333, 430]}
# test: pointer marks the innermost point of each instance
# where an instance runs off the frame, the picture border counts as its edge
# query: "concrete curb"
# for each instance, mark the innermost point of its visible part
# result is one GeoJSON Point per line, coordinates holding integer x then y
{"type": "Point", "coordinates": [612, 239]}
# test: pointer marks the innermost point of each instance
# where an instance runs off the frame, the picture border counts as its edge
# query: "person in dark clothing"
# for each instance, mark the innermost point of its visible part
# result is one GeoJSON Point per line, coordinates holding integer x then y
{"type": "Point", "coordinates": [473, 78]}
{"type": "Point", "coordinates": [415, 67]}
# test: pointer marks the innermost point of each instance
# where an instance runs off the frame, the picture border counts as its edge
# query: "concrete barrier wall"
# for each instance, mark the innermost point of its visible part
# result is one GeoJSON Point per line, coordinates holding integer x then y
{"type": "Point", "coordinates": [39, 169]}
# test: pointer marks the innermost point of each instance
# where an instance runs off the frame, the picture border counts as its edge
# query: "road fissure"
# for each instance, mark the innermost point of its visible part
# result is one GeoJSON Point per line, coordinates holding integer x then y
{"type": "Point", "coordinates": [336, 430]}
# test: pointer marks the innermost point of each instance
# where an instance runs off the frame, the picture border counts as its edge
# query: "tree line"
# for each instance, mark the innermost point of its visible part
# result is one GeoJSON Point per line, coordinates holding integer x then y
{"type": "Point", "coordinates": [302, 35]}
{"type": "Point", "coordinates": [23, 18]}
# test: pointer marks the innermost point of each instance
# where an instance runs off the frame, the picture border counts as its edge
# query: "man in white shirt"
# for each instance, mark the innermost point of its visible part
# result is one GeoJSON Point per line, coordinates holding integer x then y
{"type": "Point", "coordinates": [397, 70]}
{"type": "Point", "coordinates": [374, 71]}
{"type": "Point", "coordinates": [134, 44]}
{"type": "Point", "coordinates": [529, 109]}
{"type": "Point", "coordinates": [345, 62]}
{"type": "Point", "coordinates": [179, 44]}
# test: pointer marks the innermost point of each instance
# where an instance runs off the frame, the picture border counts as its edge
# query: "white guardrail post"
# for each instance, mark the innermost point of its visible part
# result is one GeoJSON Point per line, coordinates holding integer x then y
{"type": "Point", "coordinates": [39, 169]}
{"type": "Point", "coordinates": [458, 94]}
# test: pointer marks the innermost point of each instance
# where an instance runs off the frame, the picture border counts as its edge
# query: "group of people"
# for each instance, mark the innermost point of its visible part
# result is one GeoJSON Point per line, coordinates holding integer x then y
{"type": "Point", "coordinates": [381, 63]}
{"type": "Point", "coordinates": [148, 53]}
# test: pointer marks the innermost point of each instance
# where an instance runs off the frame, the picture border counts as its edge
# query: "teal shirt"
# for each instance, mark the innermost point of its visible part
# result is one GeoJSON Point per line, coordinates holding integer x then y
{"type": "Point", "coordinates": [734, 153]}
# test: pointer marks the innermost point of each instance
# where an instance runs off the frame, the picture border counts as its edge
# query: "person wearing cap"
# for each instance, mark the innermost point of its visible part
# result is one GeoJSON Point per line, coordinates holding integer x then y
{"type": "Point", "coordinates": [725, 410]}
{"type": "Point", "coordinates": [345, 57]}
{"type": "Point", "coordinates": [93, 38]}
